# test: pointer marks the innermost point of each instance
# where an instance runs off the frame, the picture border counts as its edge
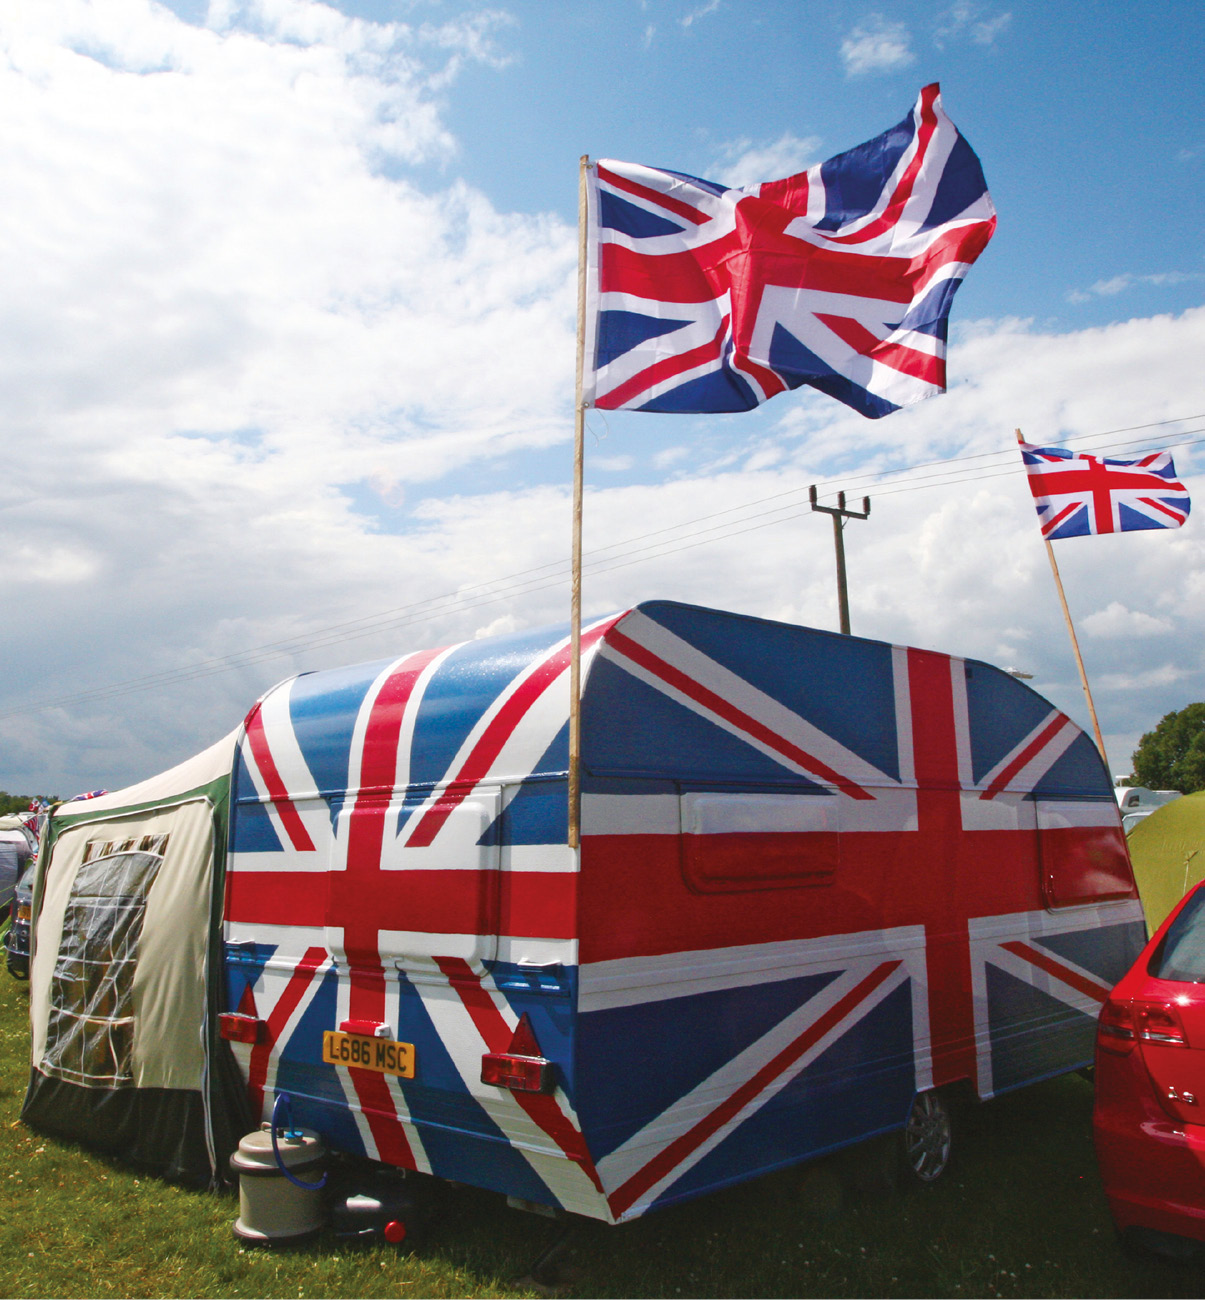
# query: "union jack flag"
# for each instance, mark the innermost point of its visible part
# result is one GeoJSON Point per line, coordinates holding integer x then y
{"type": "Point", "coordinates": [705, 298]}
{"type": "Point", "coordinates": [1079, 496]}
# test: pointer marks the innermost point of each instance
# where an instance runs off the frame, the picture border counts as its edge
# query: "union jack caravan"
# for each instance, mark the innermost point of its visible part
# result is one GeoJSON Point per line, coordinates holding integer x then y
{"type": "Point", "coordinates": [823, 882]}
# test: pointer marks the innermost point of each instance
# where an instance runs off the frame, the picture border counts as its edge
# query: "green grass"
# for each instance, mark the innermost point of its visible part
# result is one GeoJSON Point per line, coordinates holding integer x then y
{"type": "Point", "coordinates": [1022, 1214]}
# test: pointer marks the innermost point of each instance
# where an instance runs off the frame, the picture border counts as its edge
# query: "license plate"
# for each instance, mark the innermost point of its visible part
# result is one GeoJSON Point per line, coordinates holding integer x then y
{"type": "Point", "coordinates": [380, 1054]}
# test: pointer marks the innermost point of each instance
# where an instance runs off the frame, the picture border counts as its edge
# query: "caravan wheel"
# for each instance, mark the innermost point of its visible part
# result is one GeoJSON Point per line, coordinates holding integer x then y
{"type": "Point", "coordinates": [927, 1141]}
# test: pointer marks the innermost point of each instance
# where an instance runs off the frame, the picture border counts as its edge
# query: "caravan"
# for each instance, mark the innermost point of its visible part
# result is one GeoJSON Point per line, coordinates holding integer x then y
{"type": "Point", "coordinates": [824, 883]}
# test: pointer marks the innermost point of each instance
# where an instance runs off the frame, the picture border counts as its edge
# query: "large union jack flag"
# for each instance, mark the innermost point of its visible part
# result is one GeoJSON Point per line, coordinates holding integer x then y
{"type": "Point", "coordinates": [705, 298]}
{"type": "Point", "coordinates": [1079, 496]}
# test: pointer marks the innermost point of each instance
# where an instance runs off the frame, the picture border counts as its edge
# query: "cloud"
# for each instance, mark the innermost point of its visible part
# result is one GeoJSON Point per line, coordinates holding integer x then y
{"type": "Point", "coordinates": [1117, 621]}
{"type": "Point", "coordinates": [1128, 280]}
{"type": "Point", "coordinates": [968, 20]}
{"type": "Point", "coordinates": [876, 45]}
{"type": "Point", "coordinates": [743, 162]}
{"type": "Point", "coordinates": [688, 20]}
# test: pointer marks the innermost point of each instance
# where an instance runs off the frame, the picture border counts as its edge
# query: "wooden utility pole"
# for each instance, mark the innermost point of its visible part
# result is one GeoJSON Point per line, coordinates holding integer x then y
{"type": "Point", "coordinates": [840, 514]}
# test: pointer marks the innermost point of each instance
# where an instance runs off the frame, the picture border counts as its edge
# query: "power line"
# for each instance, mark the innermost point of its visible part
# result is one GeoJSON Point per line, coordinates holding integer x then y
{"type": "Point", "coordinates": [604, 559]}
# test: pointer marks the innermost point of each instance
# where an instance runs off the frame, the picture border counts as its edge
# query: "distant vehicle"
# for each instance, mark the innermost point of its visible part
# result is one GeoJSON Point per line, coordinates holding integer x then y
{"type": "Point", "coordinates": [1149, 1116]}
{"type": "Point", "coordinates": [16, 942]}
{"type": "Point", "coordinates": [17, 846]}
{"type": "Point", "coordinates": [1136, 802]}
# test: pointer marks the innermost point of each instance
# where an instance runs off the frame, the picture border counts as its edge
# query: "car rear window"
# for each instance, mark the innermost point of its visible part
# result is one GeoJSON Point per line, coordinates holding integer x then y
{"type": "Point", "coordinates": [1181, 955]}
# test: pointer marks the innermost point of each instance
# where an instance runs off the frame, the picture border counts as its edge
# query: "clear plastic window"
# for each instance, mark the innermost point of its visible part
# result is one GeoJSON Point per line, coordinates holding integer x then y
{"type": "Point", "coordinates": [90, 1030]}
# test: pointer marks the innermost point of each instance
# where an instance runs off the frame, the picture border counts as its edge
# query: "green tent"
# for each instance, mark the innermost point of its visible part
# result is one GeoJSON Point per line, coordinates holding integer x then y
{"type": "Point", "coordinates": [1167, 850]}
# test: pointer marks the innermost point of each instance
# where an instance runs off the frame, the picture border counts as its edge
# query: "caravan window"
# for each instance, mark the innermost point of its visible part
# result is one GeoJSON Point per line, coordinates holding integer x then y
{"type": "Point", "coordinates": [90, 1030]}
{"type": "Point", "coordinates": [758, 840]}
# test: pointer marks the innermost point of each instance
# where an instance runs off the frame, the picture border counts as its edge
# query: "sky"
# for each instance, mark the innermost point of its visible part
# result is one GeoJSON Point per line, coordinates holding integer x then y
{"type": "Point", "coordinates": [287, 346]}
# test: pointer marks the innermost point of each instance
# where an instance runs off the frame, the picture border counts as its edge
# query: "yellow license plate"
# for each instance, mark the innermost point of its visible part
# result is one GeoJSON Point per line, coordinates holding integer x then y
{"type": "Point", "coordinates": [380, 1054]}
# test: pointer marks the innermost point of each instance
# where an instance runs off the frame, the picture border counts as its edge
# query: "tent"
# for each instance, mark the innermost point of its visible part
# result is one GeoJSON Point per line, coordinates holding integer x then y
{"type": "Point", "coordinates": [127, 907]}
{"type": "Point", "coordinates": [1167, 850]}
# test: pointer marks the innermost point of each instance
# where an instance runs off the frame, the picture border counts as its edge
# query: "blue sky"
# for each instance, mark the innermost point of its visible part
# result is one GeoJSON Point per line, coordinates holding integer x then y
{"type": "Point", "coordinates": [288, 344]}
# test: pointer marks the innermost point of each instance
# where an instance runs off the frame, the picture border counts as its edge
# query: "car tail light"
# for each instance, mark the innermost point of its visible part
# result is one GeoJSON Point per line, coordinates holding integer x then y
{"type": "Point", "coordinates": [1159, 1022]}
{"type": "Point", "coordinates": [521, 1068]}
{"type": "Point", "coordinates": [1115, 1029]}
{"type": "Point", "coordinates": [237, 1028]}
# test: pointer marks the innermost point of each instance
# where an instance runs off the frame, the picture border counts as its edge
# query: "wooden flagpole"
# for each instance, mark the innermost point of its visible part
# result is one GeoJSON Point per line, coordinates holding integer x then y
{"type": "Point", "coordinates": [579, 444]}
{"type": "Point", "coordinates": [1079, 659]}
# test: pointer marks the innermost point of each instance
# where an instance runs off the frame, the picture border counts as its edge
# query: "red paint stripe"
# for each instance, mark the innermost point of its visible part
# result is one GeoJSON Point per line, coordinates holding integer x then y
{"type": "Point", "coordinates": [533, 904]}
{"type": "Point", "coordinates": [677, 206]}
{"type": "Point", "coordinates": [908, 361]}
{"type": "Point", "coordinates": [496, 1034]}
{"type": "Point", "coordinates": [499, 730]}
{"type": "Point", "coordinates": [660, 371]}
{"type": "Point", "coordinates": [626, 1195]}
{"type": "Point", "coordinates": [261, 1053]}
{"type": "Point", "coordinates": [1089, 988]}
{"type": "Point", "coordinates": [299, 837]}
{"type": "Point", "coordinates": [1040, 741]}
{"type": "Point", "coordinates": [378, 762]}
{"type": "Point", "coordinates": [713, 702]}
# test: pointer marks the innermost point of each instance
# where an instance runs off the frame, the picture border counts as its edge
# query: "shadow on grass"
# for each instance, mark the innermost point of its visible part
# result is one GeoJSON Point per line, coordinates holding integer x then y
{"type": "Point", "coordinates": [1021, 1213]}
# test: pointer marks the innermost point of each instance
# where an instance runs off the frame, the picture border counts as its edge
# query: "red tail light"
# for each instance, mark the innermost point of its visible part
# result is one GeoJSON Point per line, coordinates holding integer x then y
{"type": "Point", "coordinates": [237, 1028]}
{"type": "Point", "coordinates": [1115, 1029]}
{"type": "Point", "coordinates": [1159, 1022]}
{"type": "Point", "coordinates": [521, 1068]}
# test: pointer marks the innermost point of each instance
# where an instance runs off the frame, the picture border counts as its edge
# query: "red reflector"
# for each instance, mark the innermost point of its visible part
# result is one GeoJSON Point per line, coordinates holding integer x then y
{"type": "Point", "coordinates": [518, 1073]}
{"type": "Point", "coordinates": [1115, 1028]}
{"type": "Point", "coordinates": [1159, 1022]}
{"type": "Point", "coordinates": [237, 1028]}
{"type": "Point", "coordinates": [369, 1028]}
{"type": "Point", "coordinates": [395, 1231]}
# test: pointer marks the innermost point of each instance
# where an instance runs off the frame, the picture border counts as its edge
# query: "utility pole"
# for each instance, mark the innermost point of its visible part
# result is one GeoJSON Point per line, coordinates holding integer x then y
{"type": "Point", "coordinates": [840, 514]}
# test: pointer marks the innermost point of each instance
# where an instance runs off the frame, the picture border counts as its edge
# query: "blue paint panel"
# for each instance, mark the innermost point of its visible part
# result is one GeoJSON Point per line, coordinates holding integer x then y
{"type": "Point", "coordinates": [463, 688]}
{"type": "Point", "coordinates": [635, 1061]}
{"type": "Point", "coordinates": [323, 708]}
{"type": "Point", "coordinates": [843, 685]}
{"type": "Point", "coordinates": [1080, 770]}
{"type": "Point", "coordinates": [862, 1085]}
{"type": "Point", "coordinates": [632, 728]}
{"type": "Point", "coordinates": [615, 213]}
{"type": "Point", "coordinates": [318, 1098]}
{"type": "Point", "coordinates": [854, 180]}
{"type": "Point", "coordinates": [962, 183]}
{"type": "Point", "coordinates": [243, 966]}
{"type": "Point", "coordinates": [1002, 712]}
{"type": "Point", "coordinates": [1033, 1035]}
{"type": "Point", "coordinates": [796, 364]}
{"type": "Point", "coordinates": [1107, 952]}
{"type": "Point", "coordinates": [549, 998]}
{"type": "Point", "coordinates": [720, 390]}
{"type": "Point", "coordinates": [251, 829]}
{"type": "Point", "coordinates": [620, 331]}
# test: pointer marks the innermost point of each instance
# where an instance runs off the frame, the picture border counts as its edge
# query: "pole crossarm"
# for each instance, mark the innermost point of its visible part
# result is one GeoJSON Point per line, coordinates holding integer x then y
{"type": "Point", "coordinates": [840, 513]}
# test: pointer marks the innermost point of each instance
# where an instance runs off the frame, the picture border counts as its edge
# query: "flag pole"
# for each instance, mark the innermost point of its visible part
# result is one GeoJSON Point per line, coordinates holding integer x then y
{"type": "Point", "coordinates": [1079, 659]}
{"type": "Point", "coordinates": [579, 442]}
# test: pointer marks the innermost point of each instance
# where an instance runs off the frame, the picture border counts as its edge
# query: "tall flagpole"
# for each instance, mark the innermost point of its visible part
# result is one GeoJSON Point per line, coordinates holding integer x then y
{"type": "Point", "coordinates": [1079, 659]}
{"type": "Point", "coordinates": [579, 442]}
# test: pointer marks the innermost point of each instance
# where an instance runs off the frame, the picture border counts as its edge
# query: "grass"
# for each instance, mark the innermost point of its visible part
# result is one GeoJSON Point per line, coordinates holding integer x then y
{"type": "Point", "coordinates": [1022, 1214]}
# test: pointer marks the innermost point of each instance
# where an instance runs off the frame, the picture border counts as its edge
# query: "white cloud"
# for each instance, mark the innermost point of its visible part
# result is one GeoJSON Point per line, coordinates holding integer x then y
{"type": "Point", "coordinates": [876, 45]}
{"type": "Point", "coordinates": [1128, 280]}
{"type": "Point", "coordinates": [1116, 621]}
{"type": "Point", "coordinates": [709, 7]}
{"type": "Point", "coordinates": [744, 162]}
{"type": "Point", "coordinates": [966, 19]}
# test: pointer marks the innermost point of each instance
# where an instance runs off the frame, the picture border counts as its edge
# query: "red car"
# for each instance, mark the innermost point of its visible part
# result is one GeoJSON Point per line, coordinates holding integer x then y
{"type": "Point", "coordinates": [1149, 1118]}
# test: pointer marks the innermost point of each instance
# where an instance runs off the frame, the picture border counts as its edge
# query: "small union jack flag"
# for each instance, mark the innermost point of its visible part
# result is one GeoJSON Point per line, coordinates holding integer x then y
{"type": "Point", "coordinates": [705, 298]}
{"type": "Point", "coordinates": [1078, 496]}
